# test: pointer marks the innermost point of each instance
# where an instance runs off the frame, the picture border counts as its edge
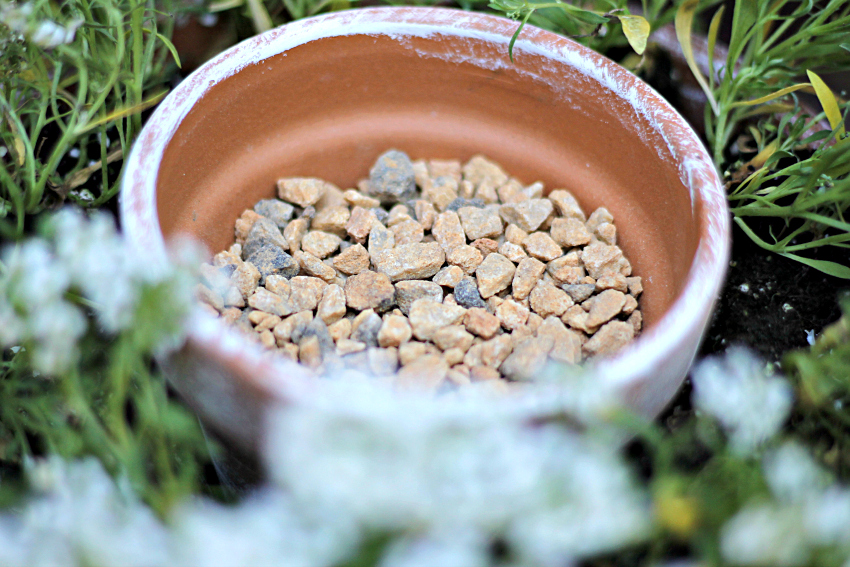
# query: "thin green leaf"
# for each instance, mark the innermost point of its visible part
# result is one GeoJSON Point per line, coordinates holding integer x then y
{"type": "Point", "coordinates": [516, 34]}
{"type": "Point", "coordinates": [743, 19]}
{"type": "Point", "coordinates": [772, 96]}
{"type": "Point", "coordinates": [713, 30]}
{"type": "Point", "coordinates": [684, 23]}
{"type": "Point", "coordinates": [170, 46]}
{"type": "Point", "coordinates": [830, 268]}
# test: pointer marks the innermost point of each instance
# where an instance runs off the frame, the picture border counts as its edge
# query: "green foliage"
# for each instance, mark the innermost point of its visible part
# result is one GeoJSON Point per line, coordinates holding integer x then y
{"type": "Point", "coordinates": [107, 61]}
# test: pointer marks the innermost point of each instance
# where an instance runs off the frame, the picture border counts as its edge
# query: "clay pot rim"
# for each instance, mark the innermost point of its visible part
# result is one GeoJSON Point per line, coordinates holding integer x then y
{"type": "Point", "coordinates": [686, 316]}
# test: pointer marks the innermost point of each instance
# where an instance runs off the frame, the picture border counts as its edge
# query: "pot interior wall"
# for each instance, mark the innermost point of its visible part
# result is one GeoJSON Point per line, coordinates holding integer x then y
{"type": "Point", "coordinates": [328, 108]}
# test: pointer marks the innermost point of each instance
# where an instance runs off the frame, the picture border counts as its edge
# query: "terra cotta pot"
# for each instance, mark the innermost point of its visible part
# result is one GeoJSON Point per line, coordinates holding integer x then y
{"type": "Point", "coordinates": [325, 96]}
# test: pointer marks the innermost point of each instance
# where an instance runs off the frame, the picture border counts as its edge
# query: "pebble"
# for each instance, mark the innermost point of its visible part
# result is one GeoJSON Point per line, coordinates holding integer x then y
{"type": "Point", "coordinates": [449, 276]}
{"type": "Point", "coordinates": [512, 315]}
{"type": "Point", "coordinates": [353, 260]}
{"type": "Point", "coordinates": [425, 213]}
{"type": "Point", "coordinates": [348, 346]}
{"type": "Point", "coordinates": [566, 343]}
{"type": "Point", "coordinates": [610, 338]}
{"type": "Point", "coordinates": [366, 326]}
{"type": "Point", "coordinates": [407, 292]}
{"type": "Point", "coordinates": [600, 259]}
{"type": "Point", "coordinates": [494, 274]}
{"type": "Point", "coordinates": [407, 232]}
{"type": "Point", "coordinates": [541, 246]}
{"type": "Point", "coordinates": [528, 358]}
{"type": "Point", "coordinates": [526, 276]}
{"type": "Point", "coordinates": [210, 297]}
{"type": "Point", "coordinates": [480, 223]}
{"type": "Point", "coordinates": [391, 179]}
{"type": "Point", "coordinates": [395, 331]}
{"type": "Point", "coordinates": [479, 170]}
{"type": "Point", "coordinates": [357, 199]}
{"type": "Point", "coordinates": [332, 306]}
{"type": "Point", "coordinates": [566, 204]}
{"type": "Point", "coordinates": [305, 293]}
{"type": "Point", "coordinates": [294, 232]}
{"type": "Point", "coordinates": [427, 317]}
{"type": "Point", "coordinates": [410, 261]}
{"type": "Point", "coordinates": [527, 215]}
{"type": "Point", "coordinates": [369, 290]}
{"type": "Point", "coordinates": [486, 246]}
{"type": "Point", "coordinates": [604, 307]}
{"type": "Point", "coordinates": [244, 224]}
{"type": "Point", "coordinates": [264, 232]}
{"type": "Point", "coordinates": [269, 302]}
{"type": "Point", "coordinates": [246, 277]}
{"type": "Point", "coordinates": [461, 202]}
{"type": "Point", "coordinates": [312, 266]}
{"type": "Point", "coordinates": [301, 191]}
{"type": "Point", "coordinates": [513, 252]}
{"type": "Point", "coordinates": [340, 330]}
{"type": "Point", "coordinates": [515, 235]}
{"type": "Point", "coordinates": [466, 294]}
{"type": "Point", "coordinates": [310, 353]}
{"type": "Point", "coordinates": [320, 244]}
{"type": "Point", "coordinates": [291, 328]}
{"type": "Point", "coordinates": [579, 292]}
{"type": "Point", "coordinates": [360, 223]}
{"type": "Point", "coordinates": [331, 219]}
{"type": "Point", "coordinates": [380, 238]}
{"type": "Point", "coordinates": [453, 336]}
{"type": "Point", "coordinates": [546, 299]}
{"type": "Point", "coordinates": [466, 257]}
{"type": "Point", "coordinates": [275, 210]}
{"type": "Point", "coordinates": [570, 232]}
{"type": "Point", "coordinates": [496, 350]}
{"type": "Point", "coordinates": [425, 374]}
{"type": "Point", "coordinates": [566, 270]}
{"type": "Point", "coordinates": [612, 281]}
{"type": "Point", "coordinates": [481, 323]}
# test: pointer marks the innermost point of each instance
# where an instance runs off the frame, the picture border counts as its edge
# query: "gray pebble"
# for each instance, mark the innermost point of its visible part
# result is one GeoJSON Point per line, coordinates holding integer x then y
{"type": "Point", "coordinates": [391, 179]}
{"type": "Point", "coordinates": [467, 295]}
{"type": "Point", "coordinates": [579, 292]}
{"type": "Point", "coordinates": [308, 213]}
{"type": "Point", "coordinates": [367, 331]}
{"type": "Point", "coordinates": [461, 202]}
{"type": "Point", "coordinates": [275, 210]}
{"type": "Point", "coordinates": [271, 260]}
{"type": "Point", "coordinates": [380, 214]}
{"type": "Point", "coordinates": [264, 232]}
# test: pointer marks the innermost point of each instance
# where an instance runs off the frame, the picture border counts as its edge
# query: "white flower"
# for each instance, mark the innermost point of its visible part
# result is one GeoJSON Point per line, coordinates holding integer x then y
{"type": "Point", "coordinates": [826, 517]}
{"type": "Point", "coordinates": [44, 33]}
{"type": "Point", "coordinates": [765, 535]}
{"type": "Point", "coordinates": [792, 474]}
{"type": "Point", "coordinates": [448, 548]}
{"type": "Point", "coordinates": [750, 405]}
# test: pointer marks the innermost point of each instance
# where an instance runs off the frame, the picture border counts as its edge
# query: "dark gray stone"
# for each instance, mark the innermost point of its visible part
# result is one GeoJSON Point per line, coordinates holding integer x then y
{"type": "Point", "coordinates": [461, 202]}
{"type": "Point", "coordinates": [318, 329]}
{"type": "Point", "coordinates": [391, 179]}
{"type": "Point", "coordinates": [380, 214]}
{"type": "Point", "coordinates": [467, 295]}
{"type": "Point", "coordinates": [271, 260]}
{"type": "Point", "coordinates": [264, 231]}
{"type": "Point", "coordinates": [579, 292]}
{"type": "Point", "coordinates": [308, 213]}
{"type": "Point", "coordinates": [275, 210]}
{"type": "Point", "coordinates": [367, 331]}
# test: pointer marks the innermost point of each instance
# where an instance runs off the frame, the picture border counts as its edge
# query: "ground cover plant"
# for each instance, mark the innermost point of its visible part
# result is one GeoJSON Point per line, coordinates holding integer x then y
{"type": "Point", "coordinates": [100, 465]}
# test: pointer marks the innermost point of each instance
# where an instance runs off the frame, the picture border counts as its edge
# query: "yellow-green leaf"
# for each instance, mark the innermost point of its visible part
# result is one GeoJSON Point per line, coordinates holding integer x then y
{"type": "Point", "coordinates": [20, 151]}
{"type": "Point", "coordinates": [684, 22]}
{"type": "Point", "coordinates": [829, 104]}
{"type": "Point", "coordinates": [636, 30]}
{"type": "Point", "coordinates": [260, 16]}
{"type": "Point", "coordinates": [772, 96]}
{"type": "Point", "coordinates": [713, 30]}
{"type": "Point", "coordinates": [121, 113]}
{"type": "Point", "coordinates": [223, 5]}
{"type": "Point", "coordinates": [761, 157]}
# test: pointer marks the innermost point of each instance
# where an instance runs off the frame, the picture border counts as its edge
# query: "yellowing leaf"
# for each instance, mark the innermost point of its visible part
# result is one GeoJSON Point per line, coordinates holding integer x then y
{"type": "Point", "coordinates": [21, 151]}
{"type": "Point", "coordinates": [684, 22]}
{"type": "Point", "coordinates": [713, 30]}
{"type": "Point", "coordinates": [829, 104]}
{"type": "Point", "coordinates": [767, 98]}
{"type": "Point", "coordinates": [121, 113]}
{"type": "Point", "coordinates": [636, 30]}
{"type": "Point", "coordinates": [761, 157]}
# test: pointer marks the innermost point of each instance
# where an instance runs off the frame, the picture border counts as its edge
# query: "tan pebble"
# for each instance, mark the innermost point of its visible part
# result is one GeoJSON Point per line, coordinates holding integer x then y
{"type": "Point", "coordinates": [369, 290]}
{"type": "Point", "coordinates": [364, 186]}
{"type": "Point", "coordinates": [450, 299]}
{"type": "Point", "coordinates": [612, 281]}
{"type": "Point", "coordinates": [465, 189]}
{"type": "Point", "coordinates": [486, 191]}
{"type": "Point", "coordinates": [452, 336]}
{"type": "Point", "coordinates": [245, 277]}
{"type": "Point", "coordinates": [448, 231]}
{"type": "Point", "coordinates": [566, 270]}
{"type": "Point", "coordinates": [332, 306]}
{"type": "Point", "coordinates": [267, 339]}
{"type": "Point", "coordinates": [494, 274]}
{"type": "Point", "coordinates": [454, 356]}
{"type": "Point", "coordinates": [301, 191]}
{"type": "Point", "coordinates": [421, 174]}
{"type": "Point", "coordinates": [443, 191]}
{"type": "Point", "coordinates": [407, 292]}
{"type": "Point", "coordinates": [314, 267]}
{"type": "Point", "coordinates": [493, 303]}
{"type": "Point", "coordinates": [278, 284]}
{"type": "Point", "coordinates": [527, 275]}
{"type": "Point", "coordinates": [353, 260]}
{"type": "Point", "coordinates": [449, 276]}
{"type": "Point", "coordinates": [310, 353]}
{"type": "Point", "coordinates": [407, 232]}
{"type": "Point", "coordinates": [509, 189]}
{"type": "Point", "coordinates": [570, 232]}
{"type": "Point", "coordinates": [294, 233]}
{"type": "Point", "coordinates": [366, 326]}
{"type": "Point", "coordinates": [289, 350]}
{"type": "Point", "coordinates": [331, 219]}
{"type": "Point", "coordinates": [428, 316]}
{"type": "Point", "coordinates": [483, 374]}
{"type": "Point", "coordinates": [209, 297]}
{"type": "Point", "coordinates": [357, 199]}
{"type": "Point", "coordinates": [411, 350]}
{"type": "Point", "coordinates": [534, 322]}
{"type": "Point", "coordinates": [426, 374]}
{"type": "Point", "coordinates": [610, 338]}
{"type": "Point", "coordinates": [226, 258]}
{"type": "Point", "coordinates": [480, 223]}
{"type": "Point", "coordinates": [472, 358]}
{"type": "Point", "coordinates": [527, 215]}
{"type": "Point", "coordinates": [293, 325]}
{"type": "Point", "coordinates": [576, 317]}
{"type": "Point", "coordinates": [320, 244]}
{"type": "Point", "coordinates": [587, 280]}
{"type": "Point", "coordinates": [605, 307]}
{"type": "Point", "coordinates": [340, 330]}
{"type": "Point", "coordinates": [486, 246]}
{"type": "Point", "coordinates": [445, 168]}
{"type": "Point", "coordinates": [566, 343]}
{"type": "Point", "coordinates": [236, 249]}
{"type": "Point", "coordinates": [305, 293]}
{"type": "Point", "coordinates": [257, 317]}
{"type": "Point", "coordinates": [511, 314]}
{"type": "Point", "coordinates": [528, 358]}
{"type": "Point", "coordinates": [410, 261]}
{"type": "Point", "coordinates": [383, 361]}
{"type": "Point", "coordinates": [479, 169]}
{"type": "Point", "coordinates": [635, 285]}
{"type": "Point", "coordinates": [512, 252]}
{"type": "Point", "coordinates": [268, 323]}
{"type": "Point", "coordinates": [347, 346]}
{"type": "Point", "coordinates": [496, 350]}
{"type": "Point", "coordinates": [359, 224]}
{"type": "Point", "coordinates": [479, 322]}
{"type": "Point", "coordinates": [598, 217]}
{"type": "Point", "coordinates": [466, 257]}
{"type": "Point", "coordinates": [455, 377]}
{"type": "Point", "coordinates": [380, 239]}
{"type": "Point", "coordinates": [541, 246]}
{"type": "Point", "coordinates": [600, 259]}
{"type": "Point", "coordinates": [630, 305]}
{"type": "Point", "coordinates": [515, 235]}
{"type": "Point", "coordinates": [233, 297]}
{"type": "Point", "coordinates": [566, 204]}
{"type": "Point", "coordinates": [546, 300]}
{"type": "Point", "coordinates": [607, 233]}
{"type": "Point", "coordinates": [398, 214]}
{"type": "Point", "coordinates": [425, 213]}
{"type": "Point", "coordinates": [231, 315]}
{"type": "Point", "coordinates": [535, 190]}
{"type": "Point", "coordinates": [244, 224]}
{"type": "Point", "coordinates": [636, 321]}
{"type": "Point", "coordinates": [269, 302]}
{"type": "Point", "coordinates": [395, 331]}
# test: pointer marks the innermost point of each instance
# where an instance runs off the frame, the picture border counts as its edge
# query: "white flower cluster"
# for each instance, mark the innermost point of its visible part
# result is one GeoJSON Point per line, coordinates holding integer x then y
{"type": "Point", "coordinates": [736, 390]}
{"type": "Point", "coordinates": [44, 33]}
{"type": "Point", "coordinates": [84, 256]}
{"type": "Point", "coordinates": [808, 513]}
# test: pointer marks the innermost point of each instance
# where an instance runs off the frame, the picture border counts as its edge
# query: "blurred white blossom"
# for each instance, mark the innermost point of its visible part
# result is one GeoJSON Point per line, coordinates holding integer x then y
{"type": "Point", "coordinates": [765, 535]}
{"type": "Point", "coordinates": [735, 389]}
{"type": "Point", "coordinates": [792, 473]}
{"type": "Point", "coordinates": [45, 33]}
